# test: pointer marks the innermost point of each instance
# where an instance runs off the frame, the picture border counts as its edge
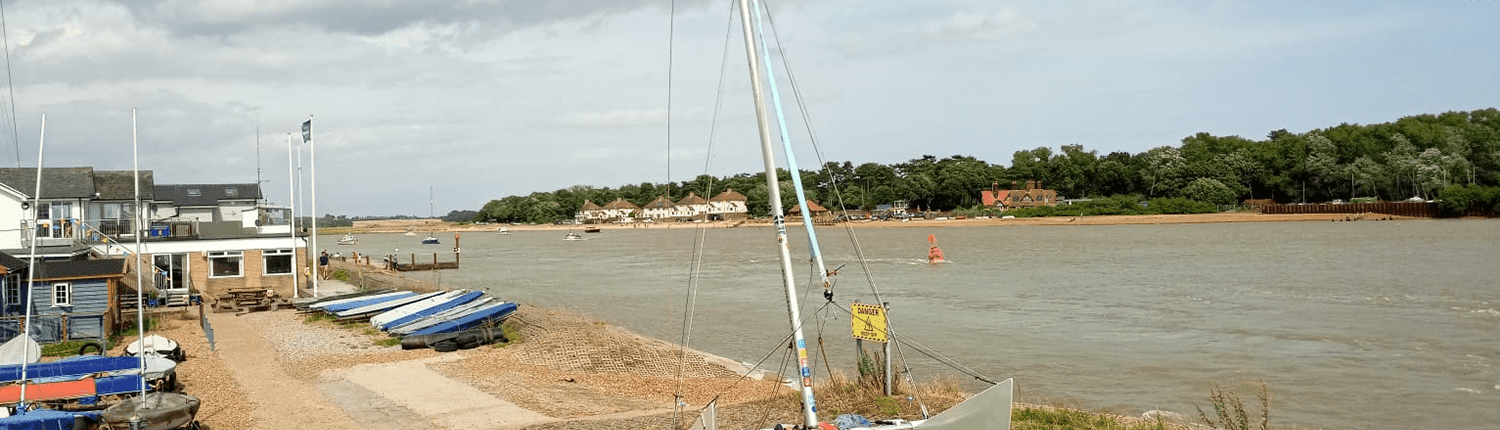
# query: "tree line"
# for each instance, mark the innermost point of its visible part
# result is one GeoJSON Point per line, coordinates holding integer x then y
{"type": "Point", "coordinates": [1421, 156]}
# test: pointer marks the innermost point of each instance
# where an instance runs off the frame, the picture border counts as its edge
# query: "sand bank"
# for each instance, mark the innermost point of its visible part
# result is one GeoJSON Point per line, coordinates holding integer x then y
{"type": "Point", "coordinates": [425, 225]}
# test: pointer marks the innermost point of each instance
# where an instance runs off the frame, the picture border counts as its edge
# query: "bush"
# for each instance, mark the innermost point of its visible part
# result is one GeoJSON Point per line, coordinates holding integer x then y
{"type": "Point", "coordinates": [1179, 205]}
{"type": "Point", "coordinates": [1458, 200]}
{"type": "Point", "coordinates": [1209, 190]}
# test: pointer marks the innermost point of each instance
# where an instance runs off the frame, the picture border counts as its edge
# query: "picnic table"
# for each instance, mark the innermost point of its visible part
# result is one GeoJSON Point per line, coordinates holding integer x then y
{"type": "Point", "coordinates": [246, 300]}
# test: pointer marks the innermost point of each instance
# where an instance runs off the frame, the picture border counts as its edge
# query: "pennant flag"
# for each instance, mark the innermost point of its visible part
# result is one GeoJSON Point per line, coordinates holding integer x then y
{"type": "Point", "coordinates": [306, 131]}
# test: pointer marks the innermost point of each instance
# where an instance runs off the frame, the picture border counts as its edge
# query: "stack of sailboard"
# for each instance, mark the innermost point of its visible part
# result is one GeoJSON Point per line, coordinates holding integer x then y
{"type": "Point", "coordinates": [444, 320]}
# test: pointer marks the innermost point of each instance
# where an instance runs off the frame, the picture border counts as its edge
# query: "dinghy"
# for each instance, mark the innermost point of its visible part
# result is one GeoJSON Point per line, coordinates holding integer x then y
{"type": "Point", "coordinates": [492, 313]}
{"type": "Point", "coordinates": [375, 308]}
{"type": "Point", "coordinates": [399, 320]}
{"type": "Point", "coordinates": [441, 317]}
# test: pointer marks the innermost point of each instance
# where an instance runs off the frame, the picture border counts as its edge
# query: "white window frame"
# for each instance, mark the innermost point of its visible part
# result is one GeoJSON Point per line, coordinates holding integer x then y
{"type": "Point", "coordinates": [239, 260]}
{"type": "Point", "coordinates": [265, 257]}
{"type": "Point", "coordinates": [66, 296]}
{"type": "Point", "coordinates": [12, 291]}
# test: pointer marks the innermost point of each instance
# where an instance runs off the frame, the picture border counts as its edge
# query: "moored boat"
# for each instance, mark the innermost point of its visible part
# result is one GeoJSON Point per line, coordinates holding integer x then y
{"type": "Point", "coordinates": [387, 324]}
{"type": "Point", "coordinates": [492, 313]}
{"type": "Point", "coordinates": [354, 302]}
{"type": "Point", "coordinates": [440, 317]}
{"type": "Point", "coordinates": [382, 306]}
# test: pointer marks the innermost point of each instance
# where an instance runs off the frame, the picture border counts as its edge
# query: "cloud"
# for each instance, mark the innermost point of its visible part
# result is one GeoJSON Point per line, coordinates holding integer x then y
{"type": "Point", "coordinates": [615, 117]}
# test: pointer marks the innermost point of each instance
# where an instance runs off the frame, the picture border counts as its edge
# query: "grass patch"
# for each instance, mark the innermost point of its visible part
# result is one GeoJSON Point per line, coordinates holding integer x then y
{"type": "Point", "coordinates": [1229, 410]}
{"type": "Point", "coordinates": [63, 349]}
{"type": "Point", "coordinates": [388, 341]}
{"type": "Point", "coordinates": [841, 394]}
{"type": "Point", "coordinates": [512, 335]}
{"type": "Point", "coordinates": [341, 275]}
{"type": "Point", "coordinates": [1058, 418]}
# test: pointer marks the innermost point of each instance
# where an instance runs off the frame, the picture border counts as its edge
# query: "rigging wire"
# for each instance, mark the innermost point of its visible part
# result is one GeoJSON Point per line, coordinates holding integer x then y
{"type": "Point", "coordinates": [11, 84]}
{"type": "Point", "coordinates": [700, 239]}
{"type": "Point", "coordinates": [833, 185]}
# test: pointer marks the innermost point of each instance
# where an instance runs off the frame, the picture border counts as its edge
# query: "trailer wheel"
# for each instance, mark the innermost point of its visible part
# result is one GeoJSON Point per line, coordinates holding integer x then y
{"type": "Point", "coordinates": [445, 346]}
{"type": "Point", "coordinates": [98, 349]}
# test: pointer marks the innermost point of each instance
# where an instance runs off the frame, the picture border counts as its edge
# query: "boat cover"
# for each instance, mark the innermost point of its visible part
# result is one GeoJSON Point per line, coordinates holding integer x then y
{"type": "Point", "coordinates": [496, 312]}
{"type": "Point", "coordinates": [48, 419]}
{"type": "Point", "coordinates": [340, 307]}
{"type": "Point", "coordinates": [424, 313]}
{"type": "Point", "coordinates": [162, 411]}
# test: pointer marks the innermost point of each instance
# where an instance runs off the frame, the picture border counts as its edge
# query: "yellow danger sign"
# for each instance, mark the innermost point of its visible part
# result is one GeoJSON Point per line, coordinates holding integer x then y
{"type": "Point", "coordinates": [868, 322]}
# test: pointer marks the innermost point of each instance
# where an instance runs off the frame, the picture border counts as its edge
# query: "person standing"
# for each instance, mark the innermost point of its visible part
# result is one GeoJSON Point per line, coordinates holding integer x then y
{"type": "Point", "coordinates": [323, 265]}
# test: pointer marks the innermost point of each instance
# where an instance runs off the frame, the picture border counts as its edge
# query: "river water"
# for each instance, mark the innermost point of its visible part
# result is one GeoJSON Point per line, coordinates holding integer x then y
{"type": "Point", "coordinates": [1388, 324]}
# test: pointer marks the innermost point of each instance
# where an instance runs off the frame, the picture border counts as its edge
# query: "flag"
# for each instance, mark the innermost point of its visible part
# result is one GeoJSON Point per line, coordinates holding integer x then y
{"type": "Point", "coordinates": [307, 131]}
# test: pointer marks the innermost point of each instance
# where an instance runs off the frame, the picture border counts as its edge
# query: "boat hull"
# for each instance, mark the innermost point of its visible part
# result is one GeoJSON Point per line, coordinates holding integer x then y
{"type": "Point", "coordinates": [474, 319]}
{"type": "Point", "coordinates": [161, 411]}
{"type": "Point", "coordinates": [434, 310]}
{"type": "Point", "coordinates": [476, 336]}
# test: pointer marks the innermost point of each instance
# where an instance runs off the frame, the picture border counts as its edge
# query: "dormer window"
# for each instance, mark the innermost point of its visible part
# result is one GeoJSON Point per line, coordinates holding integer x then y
{"type": "Point", "coordinates": [231, 192]}
{"type": "Point", "coordinates": [194, 192]}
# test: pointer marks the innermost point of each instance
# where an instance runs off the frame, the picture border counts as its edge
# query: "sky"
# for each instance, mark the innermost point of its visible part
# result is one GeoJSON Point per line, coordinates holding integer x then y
{"type": "Point", "coordinates": [475, 100]}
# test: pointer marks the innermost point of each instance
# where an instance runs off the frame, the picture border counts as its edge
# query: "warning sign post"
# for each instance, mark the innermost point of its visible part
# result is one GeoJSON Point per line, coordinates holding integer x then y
{"type": "Point", "coordinates": [868, 322]}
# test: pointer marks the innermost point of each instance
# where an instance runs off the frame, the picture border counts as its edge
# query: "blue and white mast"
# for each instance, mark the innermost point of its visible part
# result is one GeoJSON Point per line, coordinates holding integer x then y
{"type": "Point", "coordinates": [768, 156]}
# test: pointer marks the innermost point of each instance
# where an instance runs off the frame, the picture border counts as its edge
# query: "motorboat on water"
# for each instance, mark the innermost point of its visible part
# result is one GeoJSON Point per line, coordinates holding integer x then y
{"type": "Point", "coordinates": [430, 240]}
{"type": "Point", "coordinates": [504, 230]}
{"type": "Point", "coordinates": [573, 236]}
{"type": "Point", "coordinates": [348, 239]}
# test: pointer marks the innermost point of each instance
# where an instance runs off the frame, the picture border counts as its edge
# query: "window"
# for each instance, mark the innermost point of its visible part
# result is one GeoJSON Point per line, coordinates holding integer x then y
{"type": "Point", "coordinates": [225, 264]}
{"type": "Point", "coordinates": [231, 191]}
{"type": "Point", "coordinates": [12, 291]}
{"type": "Point", "coordinates": [194, 192]}
{"type": "Point", "coordinates": [62, 294]}
{"type": "Point", "coordinates": [278, 261]}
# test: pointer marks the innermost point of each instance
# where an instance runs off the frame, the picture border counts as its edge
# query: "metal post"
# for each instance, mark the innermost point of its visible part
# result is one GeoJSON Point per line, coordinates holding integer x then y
{"type": "Point", "coordinates": [890, 339]}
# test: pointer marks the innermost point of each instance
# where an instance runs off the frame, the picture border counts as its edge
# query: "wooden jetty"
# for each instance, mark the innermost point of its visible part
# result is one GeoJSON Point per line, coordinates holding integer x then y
{"type": "Point", "coordinates": [433, 263]}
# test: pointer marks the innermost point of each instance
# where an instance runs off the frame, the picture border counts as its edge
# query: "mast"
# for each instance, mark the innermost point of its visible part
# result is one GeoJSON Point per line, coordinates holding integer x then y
{"type": "Point", "coordinates": [140, 311]}
{"type": "Point", "coordinates": [36, 201]}
{"type": "Point", "coordinates": [768, 156]}
{"type": "Point", "coordinates": [791, 164]}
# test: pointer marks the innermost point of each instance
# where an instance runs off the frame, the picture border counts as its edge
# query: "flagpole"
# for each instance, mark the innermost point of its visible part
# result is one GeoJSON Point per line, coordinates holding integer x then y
{"type": "Point", "coordinates": [312, 158]}
{"type": "Point", "coordinates": [291, 188]}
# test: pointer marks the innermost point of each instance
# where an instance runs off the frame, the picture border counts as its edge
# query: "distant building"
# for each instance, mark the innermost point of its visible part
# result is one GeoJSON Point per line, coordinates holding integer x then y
{"type": "Point", "coordinates": [994, 197]}
{"type": "Point", "coordinates": [1034, 195]}
{"type": "Point", "coordinates": [819, 213]}
{"type": "Point", "coordinates": [693, 205]}
{"type": "Point", "coordinates": [620, 209]}
{"type": "Point", "coordinates": [590, 212]}
{"type": "Point", "coordinates": [729, 205]}
{"type": "Point", "coordinates": [662, 208]}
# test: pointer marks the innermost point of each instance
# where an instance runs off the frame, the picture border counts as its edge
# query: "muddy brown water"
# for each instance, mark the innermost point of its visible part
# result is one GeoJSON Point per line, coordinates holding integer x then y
{"type": "Point", "coordinates": [1370, 324]}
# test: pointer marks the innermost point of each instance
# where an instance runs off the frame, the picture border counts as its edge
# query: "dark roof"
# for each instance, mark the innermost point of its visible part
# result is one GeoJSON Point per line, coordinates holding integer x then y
{"type": "Point", "coordinates": [728, 195]}
{"type": "Point", "coordinates": [10, 264]}
{"type": "Point", "coordinates": [621, 203]}
{"type": "Point", "coordinates": [659, 203]}
{"type": "Point", "coordinates": [57, 182]}
{"type": "Point", "coordinates": [692, 199]}
{"type": "Point", "coordinates": [589, 206]}
{"type": "Point", "coordinates": [116, 185]}
{"type": "Point", "coordinates": [205, 194]}
{"type": "Point", "coordinates": [81, 269]}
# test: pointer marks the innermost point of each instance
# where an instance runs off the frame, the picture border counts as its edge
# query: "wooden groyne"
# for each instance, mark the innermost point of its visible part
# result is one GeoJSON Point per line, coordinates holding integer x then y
{"type": "Point", "coordinates": [1412, 209]}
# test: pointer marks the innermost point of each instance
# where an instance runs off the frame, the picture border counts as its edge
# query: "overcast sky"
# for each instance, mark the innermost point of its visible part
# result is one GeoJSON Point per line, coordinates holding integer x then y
{"type": "Point", "coordinates": [481, 99]}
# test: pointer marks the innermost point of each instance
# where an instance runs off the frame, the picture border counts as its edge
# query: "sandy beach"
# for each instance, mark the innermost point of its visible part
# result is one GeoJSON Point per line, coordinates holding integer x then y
{"type": "Point", "coordinates": [276, 370]}
{"type": "Point", "coordinates": [425, 225]}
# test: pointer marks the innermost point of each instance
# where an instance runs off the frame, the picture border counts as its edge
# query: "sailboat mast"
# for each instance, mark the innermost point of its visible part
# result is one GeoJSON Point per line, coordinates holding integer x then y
{"type": "Point", "coordinates": [768, 155]}
{"type": "Point", "coordinates": [36, 205]}
{"type": "Point", "coordinates": [140, 286]}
